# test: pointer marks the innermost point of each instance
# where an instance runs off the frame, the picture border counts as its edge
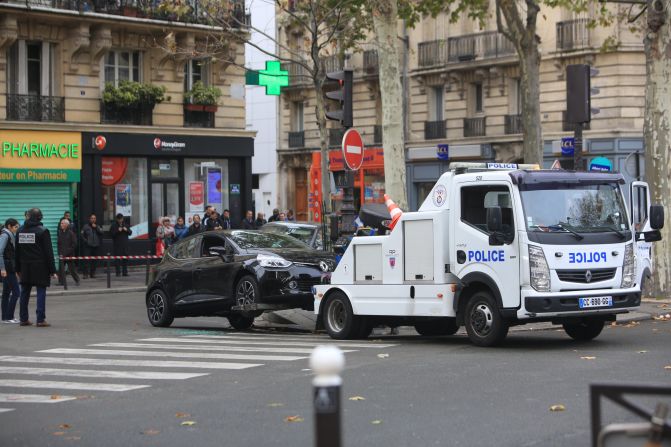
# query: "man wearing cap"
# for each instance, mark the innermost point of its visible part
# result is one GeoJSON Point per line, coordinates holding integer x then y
{"type": "Point", "coordinates": [35, 266]}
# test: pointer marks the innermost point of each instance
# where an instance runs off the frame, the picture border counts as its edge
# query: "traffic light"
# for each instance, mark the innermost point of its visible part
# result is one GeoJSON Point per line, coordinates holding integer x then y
{"type": "Point", "coordinates": [579, 92]}
{"type": "Point", "coordinates": [342, 95]}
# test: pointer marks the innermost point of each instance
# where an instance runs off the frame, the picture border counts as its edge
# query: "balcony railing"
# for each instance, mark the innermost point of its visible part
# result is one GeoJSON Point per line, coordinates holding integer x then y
{"type": "Point", "coordinates": [570, 127]}
{"type": "Point", "coordinates": [297, 139]}
{"type": "Point", "coordinates": [475, 127]}
{"type": "Point", "coordinates": [335, 136]}
{"type": "Point", "coordinates": [490, 44]}
{"type": "Point", "coordinates": [198, 118]}
{"type": "Point", "coordinates": [370, 62]}
{"type": "Point", "coordinates": [572, 34]}
{"type": "Point", "coordinates": [298, 75]}
{"type": "Point", "coordinates": [193, 11]}
{"type": "Point", "coordinates": [141, 115]}
{"type": "Point", "coordinates": [434, 130]}
{"type": "Point", "coordinates": [512, 124]}
{"type": "Point", "coordinates": [35, 108]}
{"type": "Point", "coordinates": [331, 63]}
{"type": "Point", "coordinates": [432, 53]}
{"type": "Point", "coordinates": [377, 134]}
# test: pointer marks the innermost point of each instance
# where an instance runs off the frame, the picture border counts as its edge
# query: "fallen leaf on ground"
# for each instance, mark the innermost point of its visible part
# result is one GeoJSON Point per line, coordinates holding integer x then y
{"type": "Point", "coordinates": [54, 397]}
{"type": "Point", "coordinates": [662, 317]}
{"type": "Point", "coordinates": [182, 415]}
{"type": "Point", "coordinates": [663, 306]}
{"type": "Point", "coordinates": [383, 356]}
{"type": "Point", "coordinates": [295, 418]}
{"type": "Point", "coordinates": [557, 407]}
{"type": "Point", "coordinates": [58, 433]}
{"type": "Point", "coordinates": [614, 323]}
{"type": "Point", "coordinates": [642, 352]}
{"type": "Point", "coordinates": [188, 423]}
{"type": "Point", "coordinates": [150, 432]}
{"type": "Point", "coordinates": [64, 426]}
{"type": "Point", "coordinates": [376, 422]}
{"type": "Point", "coordinates": [632, 324]}
{"type": "Point", "coordinates": [275, 404]}
{"type": "Point", "coordinates": [667, 367]}
{"type": "Point", "coordinates": [357, 398]}
{"type": "Point", "coordinates": [587, 357]}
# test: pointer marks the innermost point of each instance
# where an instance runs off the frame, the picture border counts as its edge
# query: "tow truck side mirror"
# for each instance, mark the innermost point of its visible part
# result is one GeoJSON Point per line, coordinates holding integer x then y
{"type": "Point", "coordinates": [494, 219]}
{"type": "Point", "coordinates": [656, 217]}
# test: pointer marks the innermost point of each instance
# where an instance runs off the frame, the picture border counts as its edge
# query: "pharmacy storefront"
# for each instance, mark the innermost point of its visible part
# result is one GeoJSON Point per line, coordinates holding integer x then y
{"type": "Point", "coordinates": [39, 169]}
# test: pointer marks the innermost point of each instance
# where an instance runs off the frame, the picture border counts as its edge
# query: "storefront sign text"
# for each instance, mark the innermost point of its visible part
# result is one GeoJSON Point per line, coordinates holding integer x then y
{"type": "Point", "coordinates": [39, 175]}
{"type": "Point", "coordinates": [38, 150]}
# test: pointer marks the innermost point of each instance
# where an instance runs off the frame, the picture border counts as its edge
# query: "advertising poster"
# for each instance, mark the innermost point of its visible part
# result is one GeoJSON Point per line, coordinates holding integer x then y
{"type": "Point", "coordinates": [122, 198]}
{"type": "Point", "coordinates": [196, 197]}
{"type": "Point", "coordinates": [214, 187]}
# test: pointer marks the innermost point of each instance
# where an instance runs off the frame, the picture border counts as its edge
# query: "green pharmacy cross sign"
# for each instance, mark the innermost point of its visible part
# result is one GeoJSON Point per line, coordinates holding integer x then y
{"type": "Point", "coordinates": [273, 78]}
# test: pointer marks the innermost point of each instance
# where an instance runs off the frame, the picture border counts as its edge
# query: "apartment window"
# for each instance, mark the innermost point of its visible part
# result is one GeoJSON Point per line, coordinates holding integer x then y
{"type": "Point", "coordinates": [477, 98]}
{"type": "Point", "coordinates": [31, 68]}
{"type": "Point", "coordinates": [436, 104]}
{"type": "Point", "coordinates": [515, 97]}
{"type": "Point", "coordinates": [195, 70]}
{"type": "Point", "coordinates": [297, 116]}
{"type": "Point", "coordinates": [122, 66]}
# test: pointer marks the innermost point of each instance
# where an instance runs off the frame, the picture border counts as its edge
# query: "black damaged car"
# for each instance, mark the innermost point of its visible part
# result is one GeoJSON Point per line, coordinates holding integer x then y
{"type": "Point", "coordinates": [237, 274]}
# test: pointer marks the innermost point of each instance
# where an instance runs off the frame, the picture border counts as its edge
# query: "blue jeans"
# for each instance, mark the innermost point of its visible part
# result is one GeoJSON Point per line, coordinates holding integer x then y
{"type": "Point", "coordinates": [41, 303]}
{"type": "Point", "coordinates": [10, 294]}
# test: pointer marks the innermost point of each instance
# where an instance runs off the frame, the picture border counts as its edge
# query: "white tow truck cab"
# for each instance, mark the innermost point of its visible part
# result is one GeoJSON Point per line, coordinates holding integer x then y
{"type": "Point", "coordinates": [492, 246]}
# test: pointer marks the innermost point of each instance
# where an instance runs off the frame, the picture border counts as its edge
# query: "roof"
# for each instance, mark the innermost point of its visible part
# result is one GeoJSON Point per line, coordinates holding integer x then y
{"type": "Point", "coordinates": [567, 177]}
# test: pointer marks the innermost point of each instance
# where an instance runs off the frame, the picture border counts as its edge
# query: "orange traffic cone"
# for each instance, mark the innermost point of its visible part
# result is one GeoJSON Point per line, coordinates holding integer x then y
{"type": "Point", "coordinates": [394, 210]}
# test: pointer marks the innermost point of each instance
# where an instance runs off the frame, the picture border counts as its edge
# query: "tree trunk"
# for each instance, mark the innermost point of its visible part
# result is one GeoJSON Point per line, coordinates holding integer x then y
{"type": "Point", "coordinates": [385, 16]}
{"type": "Point", "coordinates": [320, 111]}
{"type": "Point", "coordinates": [532, 149]}
{"type": "Point", "coordinates": [657, 132]}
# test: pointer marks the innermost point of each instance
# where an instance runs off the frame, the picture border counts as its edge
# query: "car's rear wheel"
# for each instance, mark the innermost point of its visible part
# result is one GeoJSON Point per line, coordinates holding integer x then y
{"type": "Point", "coordinates": [159, 311]}
{"type": "Point", "coordinates": [241, 322]}
{"type": "Point", "coordinates": [439, 326]}
{"type": "Point", "coordinates": [339, 319]}
{"type": "Point", "coordinates": [585, 330]}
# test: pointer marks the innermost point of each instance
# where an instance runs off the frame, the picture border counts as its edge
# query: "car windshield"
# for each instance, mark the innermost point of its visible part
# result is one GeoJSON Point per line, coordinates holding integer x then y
{"type": "Point", "coordinates": [255, 239]}
{"type": "Point", "coordinates": [303, 234]}
{"type": "Point", "coordinates": [581, 208]}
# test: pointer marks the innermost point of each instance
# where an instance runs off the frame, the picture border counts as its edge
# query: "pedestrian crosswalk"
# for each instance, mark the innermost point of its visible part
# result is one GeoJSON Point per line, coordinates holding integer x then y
{"type": "Point", "coordinates": [133, 365]}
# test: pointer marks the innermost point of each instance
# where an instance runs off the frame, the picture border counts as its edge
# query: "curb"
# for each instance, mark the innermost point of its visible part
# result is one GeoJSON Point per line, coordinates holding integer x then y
{"type": "Point", "coordinates": [79, 291]}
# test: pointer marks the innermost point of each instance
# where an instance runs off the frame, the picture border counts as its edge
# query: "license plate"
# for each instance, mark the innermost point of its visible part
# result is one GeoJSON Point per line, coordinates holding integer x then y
{"type": "Point", "coordinates": [595, 301]}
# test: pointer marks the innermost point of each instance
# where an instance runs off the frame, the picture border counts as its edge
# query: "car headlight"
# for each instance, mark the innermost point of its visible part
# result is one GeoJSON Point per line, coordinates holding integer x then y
{"type": "Point", "coordinates": [539, 270]}
{"type": "Point", "coordinates": [272, 261]}
{"type": "Point", "coordinates": [628, 267]}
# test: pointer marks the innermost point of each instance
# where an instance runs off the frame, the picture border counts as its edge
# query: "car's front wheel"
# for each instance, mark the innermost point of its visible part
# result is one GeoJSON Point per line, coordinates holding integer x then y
{"type": "Point", "coordinates": [339, 319]}
{"type": "Point", "coordinates": [585, 330]}
{"type": "Point", "coordinates": [241, 322]}
{"type": "Point", "coordinates": [483, 321]}
{"type": "Point", "coordinates": [158, 309]}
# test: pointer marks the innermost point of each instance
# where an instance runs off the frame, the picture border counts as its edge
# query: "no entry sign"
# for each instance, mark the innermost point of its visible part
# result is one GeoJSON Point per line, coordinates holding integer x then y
{"type": "Point", "coordinates": [352, 149]}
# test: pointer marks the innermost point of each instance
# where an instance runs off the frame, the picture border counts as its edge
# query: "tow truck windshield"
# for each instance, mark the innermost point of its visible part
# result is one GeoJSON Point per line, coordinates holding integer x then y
{"type": "Point", "coordinates": [574, 208]}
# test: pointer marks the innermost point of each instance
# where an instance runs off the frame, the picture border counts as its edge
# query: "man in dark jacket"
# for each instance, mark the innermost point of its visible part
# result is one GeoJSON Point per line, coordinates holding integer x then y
{"type": "Point", "coordinates": [10, 285]}
{"type": "Point", "coordinates": [120, 233]}
{"type": "Point", "coordinates": [92, 235]}
{"type": "Point", "coordinates": [196, 227]}
{"type": "Point", "coordinates": [275, 217]}
{"type": "Point", "coordinates": [248, 222]}
{"type": "Point", "coordinates": [226, 220]}
{"type": "Point", "coordinates": [35, 266]}
{"type": "Point", "coordinates": [67, 246]}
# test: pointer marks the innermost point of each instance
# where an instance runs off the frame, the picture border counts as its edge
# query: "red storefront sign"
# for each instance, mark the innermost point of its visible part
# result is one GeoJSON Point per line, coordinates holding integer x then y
{"type": "Point", "coordinates": [196, 196]}
{"type": "Point", "coordinates": [113, 170]}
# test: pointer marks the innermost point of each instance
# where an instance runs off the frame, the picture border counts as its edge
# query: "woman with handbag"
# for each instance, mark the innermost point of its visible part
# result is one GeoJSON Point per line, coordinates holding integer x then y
{"type": "Point", "coordinates": [165, 236]}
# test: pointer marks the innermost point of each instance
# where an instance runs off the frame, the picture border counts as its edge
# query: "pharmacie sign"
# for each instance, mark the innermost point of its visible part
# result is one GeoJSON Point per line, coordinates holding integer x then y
{"type": "Point", "coordinates": [35, 156]}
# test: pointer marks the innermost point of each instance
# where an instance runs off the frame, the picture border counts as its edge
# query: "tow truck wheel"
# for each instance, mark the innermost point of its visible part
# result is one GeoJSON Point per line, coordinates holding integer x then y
{"type": "Point", "coordinates": [585, 330]}
{"type": "Point", "coordinates": [483, 322]}
{"type": "Point", "coordinates": [241, 322]}
{"type": "Point", "coordinates": [339, 319]}
{"type": "Point", "coordinates": [442, 326]}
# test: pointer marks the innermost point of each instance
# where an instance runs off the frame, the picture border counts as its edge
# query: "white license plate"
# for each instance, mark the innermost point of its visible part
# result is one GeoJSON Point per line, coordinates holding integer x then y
{"type": "Point", "coordinates": [595, 301]}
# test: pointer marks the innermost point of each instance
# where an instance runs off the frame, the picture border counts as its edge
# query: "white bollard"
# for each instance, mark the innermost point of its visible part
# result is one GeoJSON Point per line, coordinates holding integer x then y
{"type": "Point", "coordinates": [327, 362]}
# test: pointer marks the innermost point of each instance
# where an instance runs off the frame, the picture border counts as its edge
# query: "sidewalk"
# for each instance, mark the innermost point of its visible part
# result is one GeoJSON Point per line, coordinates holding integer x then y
{"type": "Point", "coordinates": [135, 282]}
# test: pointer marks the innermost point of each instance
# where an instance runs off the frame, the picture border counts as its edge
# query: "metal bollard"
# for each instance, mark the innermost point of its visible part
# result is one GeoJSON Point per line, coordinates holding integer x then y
{"type": "Point", "coordinates": [64, 276]}
{"type": "Point", "coordinates": [327, 362]}
{"type": "Point", "coordinates": [146, 278]}
{"type": "Point", "coordinates": [109, 272]}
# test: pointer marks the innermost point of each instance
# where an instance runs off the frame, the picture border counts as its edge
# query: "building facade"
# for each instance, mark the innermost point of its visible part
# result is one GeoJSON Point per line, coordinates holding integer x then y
{"type": "Point", "coordinates": [463, 100]}
{"type": "Point", "coordinates": [72, 148]}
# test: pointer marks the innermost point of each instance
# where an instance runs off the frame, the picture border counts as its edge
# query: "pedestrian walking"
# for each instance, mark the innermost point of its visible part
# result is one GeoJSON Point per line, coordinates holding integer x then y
{"type": "Point", "coordinates": [165, 236]}
{"type": "Point", "coordinates": [275, 217]}
{"type": "Point", "coordinates": [248, 222]}
{"type": "Point", "coordinates": [10, 283]}
{"type": "Point", "coordinates": [92, 235]}
{"type": "Point", "coordinates": [226, 220]}
{"type": "Point", "coordinates": [260, 220]}
{"type": "Point", "coordinates": [180, 229]}
{"type": "Point", "coordinates": [35, 266]}
{"type": "Point", "coordinates": [196, 227]}
{"type": "Point", "coordinates": [67, 246]}
{"type": "Point", "coordinates": [120, 232]}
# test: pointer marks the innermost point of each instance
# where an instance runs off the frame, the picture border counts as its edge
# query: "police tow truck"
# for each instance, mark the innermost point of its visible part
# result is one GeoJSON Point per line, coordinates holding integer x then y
{"type": "Point", "coordinates": [495, 245]}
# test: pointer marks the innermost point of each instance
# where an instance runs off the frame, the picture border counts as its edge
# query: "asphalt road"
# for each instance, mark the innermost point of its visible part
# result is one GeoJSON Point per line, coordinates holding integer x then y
{"type": "Point", "coordinates": [435, 391]}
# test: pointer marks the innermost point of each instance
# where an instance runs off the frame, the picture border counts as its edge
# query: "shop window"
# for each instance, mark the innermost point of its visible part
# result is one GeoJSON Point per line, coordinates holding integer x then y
{"type": "Point", "coordinates": [195, 70]}
{"type": "Point", "coordinates": [122, 66]}
{"type": "Point", "coordinates": [164, 168]}
{"type": "Point", "coordinates": [124, 189]}
{"type": "Point", "coordinates": [206, 183]}
{"type": "Point", "coordinates": [373, 183]}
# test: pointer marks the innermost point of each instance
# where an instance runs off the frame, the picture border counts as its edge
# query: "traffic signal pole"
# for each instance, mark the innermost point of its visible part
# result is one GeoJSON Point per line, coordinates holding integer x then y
{"type": "Point", "coordinates": [578, 162]}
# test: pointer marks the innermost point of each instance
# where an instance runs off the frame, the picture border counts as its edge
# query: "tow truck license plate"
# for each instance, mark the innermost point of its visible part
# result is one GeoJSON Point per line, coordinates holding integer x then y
{"type": "Point", "coordinates": [596, 301]}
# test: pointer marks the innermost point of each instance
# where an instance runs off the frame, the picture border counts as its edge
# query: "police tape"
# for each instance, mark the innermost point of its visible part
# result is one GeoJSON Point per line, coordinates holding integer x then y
{"type": "Point", "coordinates": [95, 258]}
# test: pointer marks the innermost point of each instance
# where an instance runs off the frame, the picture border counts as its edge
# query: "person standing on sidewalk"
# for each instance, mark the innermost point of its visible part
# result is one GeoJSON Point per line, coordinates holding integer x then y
{"type": "Point", "coordinates": [120, 233]}
{"type": "Point", "coordinates": [10, 284]}
{"type": "Point", "coordinates": [248, 222]}
{"type": "Point", "coordinates": [92, 235]}
{"type": "Point", "coordinates": [67, 246]}
{"type": "Point", "coordinates": [180, 229]}
{"type": "Point", "coordinates": [35, 266]}
{"type": "Point", "coordinates": [196, 227]}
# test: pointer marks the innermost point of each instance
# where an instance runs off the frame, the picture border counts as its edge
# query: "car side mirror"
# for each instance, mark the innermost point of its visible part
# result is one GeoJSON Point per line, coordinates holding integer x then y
{"type": "Point", "coordinates": [656, 217]}
{"type": "Point", "coordinates": [494, 219]}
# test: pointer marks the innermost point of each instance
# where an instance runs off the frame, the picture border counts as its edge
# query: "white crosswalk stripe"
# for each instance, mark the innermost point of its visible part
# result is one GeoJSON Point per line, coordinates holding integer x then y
{"type": "Point", "coordinates": [204, 355]}
{"type": "Point", "coordinates": [210, 348]}
{"type": "Point", "coordinates": [5, 410]}
{"type": "Point", "coordinates": [280, 339]}
{"type": "Point", "coordinates": [34, 398]}
{"type": "Point", "coordinates": [131, 363]}
{"type": "Point", "coordinates": [15, 383]}
{"type": "Point", "coordinates": [143, 375]}
{"type": "Point", "coordinates": [239, 341]}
